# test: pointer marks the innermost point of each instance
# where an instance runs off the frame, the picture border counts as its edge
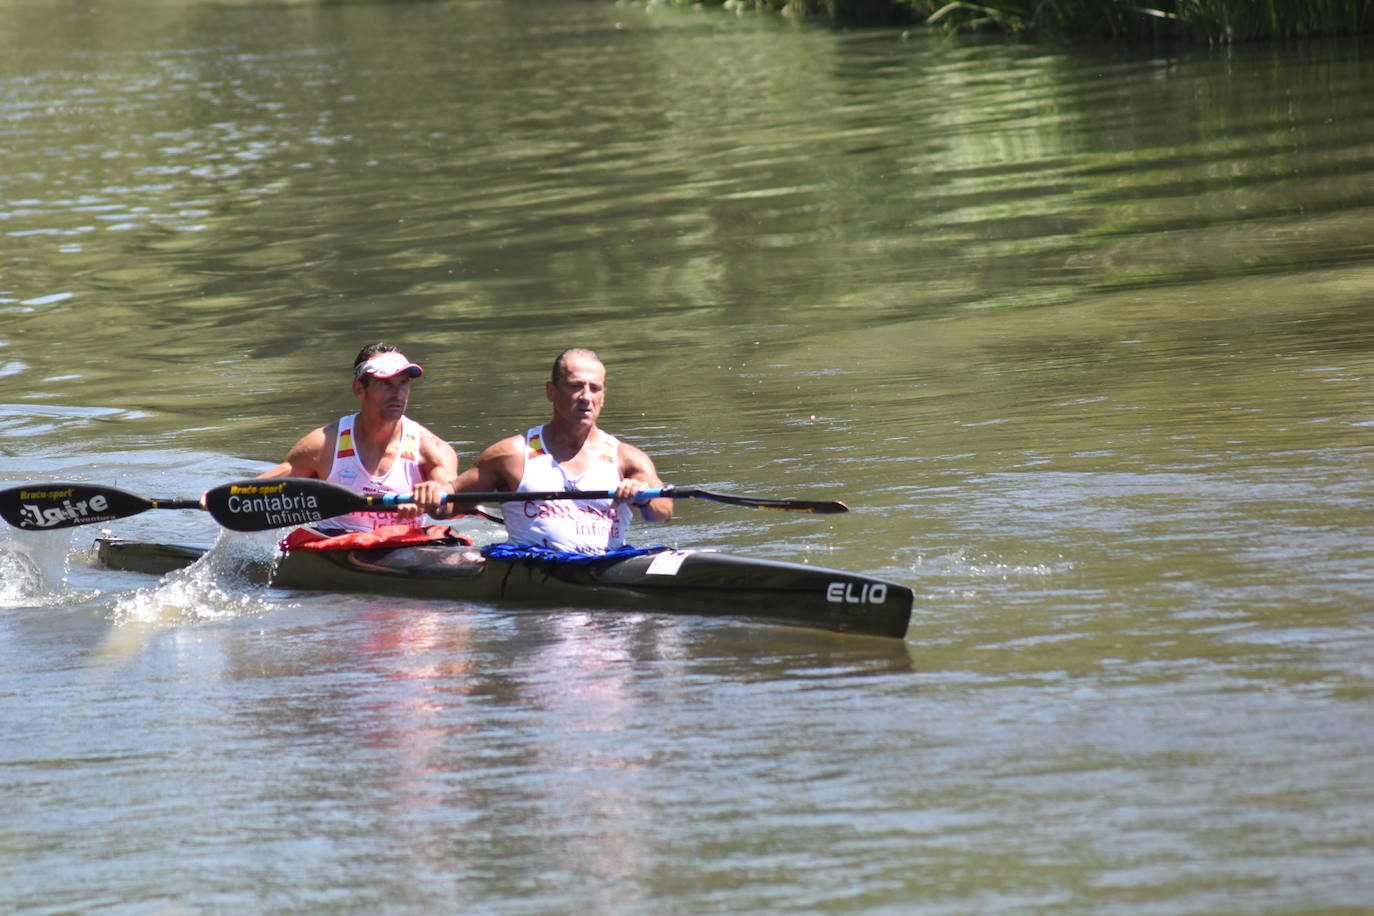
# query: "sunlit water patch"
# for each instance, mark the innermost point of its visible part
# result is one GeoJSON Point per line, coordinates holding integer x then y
{"type": "Point", "coordinates": [988, 568]}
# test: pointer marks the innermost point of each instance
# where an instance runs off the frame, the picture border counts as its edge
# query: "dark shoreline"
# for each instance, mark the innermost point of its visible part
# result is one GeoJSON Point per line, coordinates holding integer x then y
{"type": "Point", "coordinates": [1222, 23]}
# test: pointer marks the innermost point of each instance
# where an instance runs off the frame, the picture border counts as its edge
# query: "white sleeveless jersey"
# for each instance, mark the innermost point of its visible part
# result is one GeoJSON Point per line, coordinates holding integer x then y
{"type": "Point", "coordinates": [401, 477]}
{"type": "Point", "coordinates": [580, 525]}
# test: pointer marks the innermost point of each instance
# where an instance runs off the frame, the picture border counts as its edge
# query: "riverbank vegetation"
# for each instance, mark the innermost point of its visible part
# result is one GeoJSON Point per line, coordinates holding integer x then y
{"type": "Point", "coordinates": [1208, 21]}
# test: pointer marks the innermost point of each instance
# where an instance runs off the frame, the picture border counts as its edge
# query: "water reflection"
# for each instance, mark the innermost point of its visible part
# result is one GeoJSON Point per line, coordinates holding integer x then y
{"type": "Point", "coordinates": [544, 741]}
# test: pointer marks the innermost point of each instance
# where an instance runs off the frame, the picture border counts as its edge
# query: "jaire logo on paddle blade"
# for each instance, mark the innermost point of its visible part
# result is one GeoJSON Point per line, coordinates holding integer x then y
{"type": "Point", "coordinates": [37, 515]}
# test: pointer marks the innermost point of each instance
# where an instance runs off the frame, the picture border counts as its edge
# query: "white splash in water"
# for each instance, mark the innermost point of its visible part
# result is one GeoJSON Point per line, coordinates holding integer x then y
{"type": "Point", "coordinates": [20, 577]}
{"type": "Point", "coordinates": [228, 581]}
{"type": "Point", "coordinates": [34, 568]}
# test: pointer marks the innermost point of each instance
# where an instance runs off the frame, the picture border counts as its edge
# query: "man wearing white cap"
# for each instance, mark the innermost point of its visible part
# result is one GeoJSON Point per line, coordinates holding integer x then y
{"type": "Point", "coordinates": [379, 449]}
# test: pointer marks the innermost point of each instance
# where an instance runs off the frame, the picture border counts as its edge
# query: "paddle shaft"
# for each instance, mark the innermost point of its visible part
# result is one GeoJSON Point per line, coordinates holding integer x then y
{"type": "Point", "coordinates": [821, 507]}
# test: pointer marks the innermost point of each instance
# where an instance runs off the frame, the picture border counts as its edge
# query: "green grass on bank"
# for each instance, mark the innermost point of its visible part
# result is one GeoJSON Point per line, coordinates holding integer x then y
{"type": "Point", "coordinates": [1209, 21]}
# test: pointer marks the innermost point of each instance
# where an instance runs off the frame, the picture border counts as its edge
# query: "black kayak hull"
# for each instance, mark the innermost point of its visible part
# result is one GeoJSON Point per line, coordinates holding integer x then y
{"type": "Point", "coordinates": [683, 581]}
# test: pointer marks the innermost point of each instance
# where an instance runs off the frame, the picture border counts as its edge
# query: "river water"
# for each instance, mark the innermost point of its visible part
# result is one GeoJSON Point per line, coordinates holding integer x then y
{"type": "Point", "coordinates": [1084, 336]}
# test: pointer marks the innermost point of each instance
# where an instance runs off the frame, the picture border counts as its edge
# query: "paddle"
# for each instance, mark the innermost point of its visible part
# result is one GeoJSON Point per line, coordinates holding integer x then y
{"type": "Point", "coordinates": [257, 505]}
{"type": "Point", "coordinates": [50, 506]}
{"type": "Point", "coordinates": [261, 504]}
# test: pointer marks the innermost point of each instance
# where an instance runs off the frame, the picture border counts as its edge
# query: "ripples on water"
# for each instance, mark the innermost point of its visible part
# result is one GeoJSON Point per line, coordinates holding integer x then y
{"type": "Point", "coordinates": [1082, 337]}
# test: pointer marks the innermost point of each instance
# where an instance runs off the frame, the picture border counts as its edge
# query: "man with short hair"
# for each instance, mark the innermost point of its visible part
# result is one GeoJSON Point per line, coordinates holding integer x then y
{"type": "Point", "coordinates": [570, 452]}
{"type": "Point", "coordinates": [379, 449]}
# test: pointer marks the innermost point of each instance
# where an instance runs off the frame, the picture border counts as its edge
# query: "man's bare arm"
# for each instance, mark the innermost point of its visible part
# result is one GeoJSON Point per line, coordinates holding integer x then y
{"type": "Point", "coordinates": [494, 469]}
{"type": "Point", "coordinates": [439, 464]}
{"type": "Point", "coordinates": [307, 458]}
{"type": "Point", "coordinates": [638, 473]}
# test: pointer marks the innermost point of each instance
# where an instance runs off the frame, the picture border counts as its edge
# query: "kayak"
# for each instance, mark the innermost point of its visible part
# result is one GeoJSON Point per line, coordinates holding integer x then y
{"type": "Point", "coordinates": [699, 582]}
{"type": "Point", "coordinates": [683, 581]}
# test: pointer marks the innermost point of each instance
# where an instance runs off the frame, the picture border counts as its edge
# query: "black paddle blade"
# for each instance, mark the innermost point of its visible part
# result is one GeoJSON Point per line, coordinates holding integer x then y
{"type": "Point", "coordinates": [818, 506]}
{"type": "Point", "coordinates": [263, 504]}
{"type": "Point", "coordinates": [50, 506]}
